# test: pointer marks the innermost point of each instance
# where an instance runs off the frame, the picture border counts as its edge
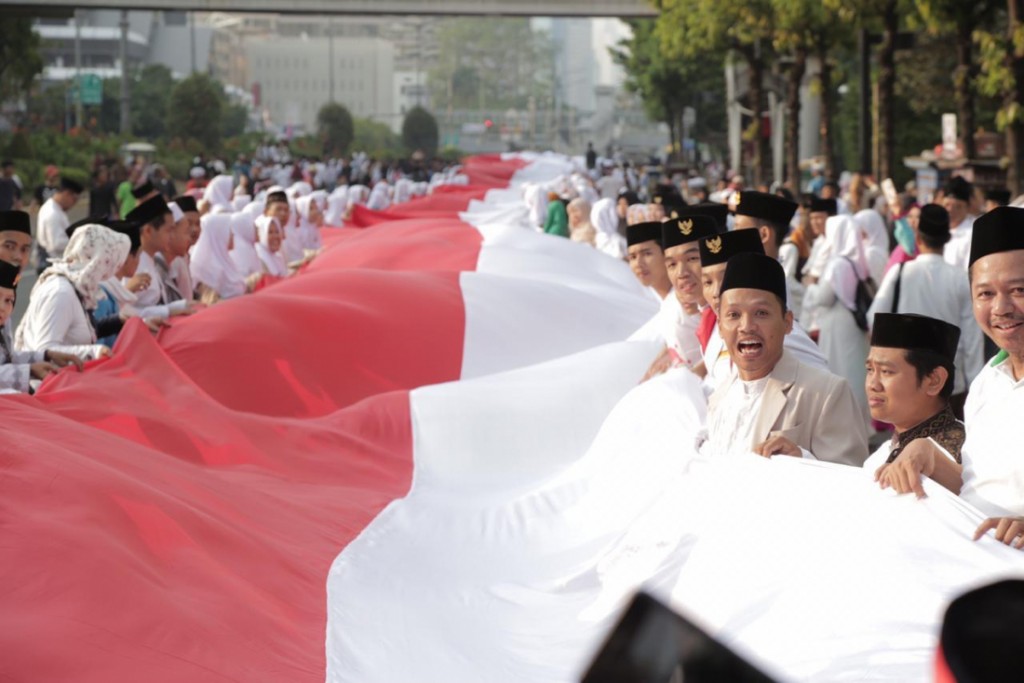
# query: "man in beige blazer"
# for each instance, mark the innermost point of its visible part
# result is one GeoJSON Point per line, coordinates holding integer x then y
{"type": "Point", "coordinates": [774, 404]}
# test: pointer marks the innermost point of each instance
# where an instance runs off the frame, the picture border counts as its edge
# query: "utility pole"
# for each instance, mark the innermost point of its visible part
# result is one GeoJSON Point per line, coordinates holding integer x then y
{"type": "Point", "coordinates": [78, 70]}
{"type": "Point", "coordinates": [864, 130]}
{"type": "Point", "coordinates": [330, 56]}
{"type": "Point", "coordinates": [125, 100]}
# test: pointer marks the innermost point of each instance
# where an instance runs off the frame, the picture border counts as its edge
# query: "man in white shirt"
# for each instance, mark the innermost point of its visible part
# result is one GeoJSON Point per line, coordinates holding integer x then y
{"type": "Point", "coordinates": [52, 222]}
{"type": "Point", "coordinates": [680, 315]}
{"type": "Point", "coordinates": [156, 220]}
{"type": "Point", "coordinates": [993, 473]}
{"type": "Point", "coordinates": [957, 200]}
{"type": "Point", "coordinates": [646, 258]}
{"type": "Point", "coordinates": [930, 286]}
{"type": "Point", "coordinates": [715, 253]}
{"type": "Point", "coordinates": [774, 404]}
{"type": "Point", "coordinates": [909, 381]}
{"type": "Point", "coordinates": [770, 215]}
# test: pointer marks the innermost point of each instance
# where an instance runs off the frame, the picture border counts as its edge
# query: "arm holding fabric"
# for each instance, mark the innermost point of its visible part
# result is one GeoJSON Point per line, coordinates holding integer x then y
{"type": "Point", "coordinates": [921, 457]}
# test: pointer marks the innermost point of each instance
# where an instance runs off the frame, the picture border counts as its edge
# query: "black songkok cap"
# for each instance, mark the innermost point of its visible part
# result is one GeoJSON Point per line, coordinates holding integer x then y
{"type": "Point", "coordinates": [684, 230]}
{"type": "Point", "coordinates": [958, 188]}
{"type": "Point", "coordinates": [913, 331]}
{"type": "Point", "coordinates": [829, 206]}
{"type": "Point", "coordinates": [277, 197]}
{"type": "Point", "coordinates": [630, 197]}
{"type": "Point", "coordinates": [720, 248]}
{"type": "Point", "coordinates": [719, 212]}
{"type": "Point", "coordinates": [1001, 229]}
{"type": "Point", "coordinates": [130, 228]}
{"type": "Point", "coordinates": [148, 211]}
{"type": "Point", "coordinates": [999, 195]}
{"type": "Point", "coordinates": [667, 195]}
{"type": "Point", "coordinates": [934, 221]}
{"type": "Point", "coordinates": [186, 203]}
{"type": "Point", "coordinates": [71, 185]}
{"type": "Point", "coordinates": [15, 221]}
{"type": "Point", "coordinates": [89, 220]}
{"type": "Point", "coordinates": [140, 191]}
{"type": "Point", "coordinates": [751, 270]}
{"type": "Point", "coordinates": [765, 206]}
{"type": "Point", "coordinates": [643, 232]}
{"type": "Point", "coordinates": [983, 632]}
{"type": "Point", "coordinates": [9, 275]}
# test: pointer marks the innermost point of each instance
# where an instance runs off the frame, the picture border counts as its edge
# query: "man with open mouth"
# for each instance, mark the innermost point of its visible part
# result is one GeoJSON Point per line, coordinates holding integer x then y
{"type": "Point", "coordinates": [775, 404]}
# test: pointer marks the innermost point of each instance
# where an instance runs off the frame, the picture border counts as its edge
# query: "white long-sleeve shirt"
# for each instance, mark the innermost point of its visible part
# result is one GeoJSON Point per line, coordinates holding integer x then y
{"type": "Point", "coordinates": [56, 321]}
{"type": "Point", "coordinates": [957, 251]}
{"type": "Point", "coordinates": [931, 286]}
{"type": "Point", "coordinates": [51, 228]}
{"type": "Point", "coordinates": [152, 301]}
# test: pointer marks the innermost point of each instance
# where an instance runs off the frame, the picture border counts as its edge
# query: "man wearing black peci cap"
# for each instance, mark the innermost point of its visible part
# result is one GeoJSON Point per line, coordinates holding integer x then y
{"type": "Point", "coordinates": [930, 286]}
{"type": "Point", "coordinates": [52, 222]}
{"type": "Point", "coordinates": [773, 404]}
{"type": "Point", "coordinates": [646, 259]}
{"type": "Point", "coordinates": [715, 253]}
{"type": "Point", "coordinates": [15, 238]}
{"type": "Point", "coordinates": [819, 211]}
{"type": "Point", "coordinates": [909, 381]}
{"type": "Point", "coordinates": [996, 197]}
{"type": "Point", "coordinates": [957, 200]}
{"type": "Point", "coordinates": [155, 217]}
{"type": "Point", "coordinates": [771, 216]}
{"type": "Point", "coordinates": [677, 321]}
{"type": "Point", "coordinates": [144, 191]}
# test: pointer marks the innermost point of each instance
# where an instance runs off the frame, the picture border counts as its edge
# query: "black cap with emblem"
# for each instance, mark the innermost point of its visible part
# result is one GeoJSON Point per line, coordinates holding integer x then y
{"type": "Point", "coordinates": [718, 249]}
{"type": "Point", "coordinates": [688, 229]}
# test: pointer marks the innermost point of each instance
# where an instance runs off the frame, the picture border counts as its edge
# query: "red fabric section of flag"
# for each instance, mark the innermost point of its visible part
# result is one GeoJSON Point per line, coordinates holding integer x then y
{"type": "Point", "coordinates": [171, 514]}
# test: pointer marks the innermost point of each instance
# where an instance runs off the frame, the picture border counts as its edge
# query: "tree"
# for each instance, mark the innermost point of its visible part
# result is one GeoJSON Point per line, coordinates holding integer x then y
{"type": "Point", "coordinates": [376, 139]}
{"type": "Point", "coordinates": [234, 120]}
{"type": "Point", "coordinates": [194, 111]}
{"type": "Point", "coordinates": [695, 28]}
{"type": "Point", "coordinates": [335, 128]}
{"type": "Point", "coordinates": [960, 19]}
{"type": "Point", "coordinates": [150, 93]}
{"type": "Point", "coordinates": [20, 61]}
{"type": "Point", "coordinates": [1002, 75]}
{"type": "Point", "coordinates": [419, 131]}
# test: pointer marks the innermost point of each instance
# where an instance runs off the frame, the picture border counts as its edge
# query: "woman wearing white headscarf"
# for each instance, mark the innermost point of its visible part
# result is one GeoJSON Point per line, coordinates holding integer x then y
{"type": "Point", "coordinates": [876, 241]}
{"type": "Point", "coordinates": [58, 311]}
{"type": "Point", "coordinates": [337, 202]}
{"type": "Point", "coordinates": [213, 270]}
{"type": "Point", "coordinates": [269, 246]}
{"type": "Point", "coordinates": [403, 190]}
{"type": "Point", "coordinates": [240, 201]}
{"type": "Point", "coordinates": [833, 300]}
{"type": "Point", "coordinates": [380, 198]}
{"type": "Point", "coordinates": [310, 218]}
{"type": "Point", "coordinates": [217, 194]}
{"type": "Point", "coordinates": [605, 218]}
{"type": "Point", "coordinates": [243, 253]}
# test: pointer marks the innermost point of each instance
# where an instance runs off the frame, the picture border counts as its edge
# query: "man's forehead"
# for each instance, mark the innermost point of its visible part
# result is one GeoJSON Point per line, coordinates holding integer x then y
{"type": "Point", "coordinates": [1003, 266]}
{"type": "Point", "coordinates": [747, 296]}
{"type": "Point", "coordinates": [642, 246]}
{"type": "Point", "coordinates": [682, 249]}
{"type": "Point", "coordinates": [885, 355]}
{"type": "Point", "coordinates": [15, 235]}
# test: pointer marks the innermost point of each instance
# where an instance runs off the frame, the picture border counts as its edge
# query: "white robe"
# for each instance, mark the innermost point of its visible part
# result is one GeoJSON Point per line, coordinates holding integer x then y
{"type": "Point", "coordinates": [56, 321]}
{"type": "Point", "coordinates": [957, 251]}
{"type": "Point", "coordinates": [993, 477]}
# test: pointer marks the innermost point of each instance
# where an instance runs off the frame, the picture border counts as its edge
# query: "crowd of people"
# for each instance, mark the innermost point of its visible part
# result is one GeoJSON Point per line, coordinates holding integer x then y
{"type": "Point", "coordinates": [819, 325]}
{"type": "Point", "coordinates": [814, 325]}
{"type": "Point", "coordinates": [143, 252]}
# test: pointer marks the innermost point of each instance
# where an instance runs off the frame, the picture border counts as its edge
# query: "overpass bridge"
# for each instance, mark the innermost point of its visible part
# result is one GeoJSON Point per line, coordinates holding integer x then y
{"type": "Point", "coordinates": [509, 8]}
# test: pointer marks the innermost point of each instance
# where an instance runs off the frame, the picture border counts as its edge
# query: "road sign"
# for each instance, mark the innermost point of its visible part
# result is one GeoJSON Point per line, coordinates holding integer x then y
{"type": "Point", "coordinates": [91, 89]}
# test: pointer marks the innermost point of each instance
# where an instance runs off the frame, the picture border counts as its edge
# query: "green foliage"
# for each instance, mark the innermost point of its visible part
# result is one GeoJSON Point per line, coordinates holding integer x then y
{"type": "Point", "coordinates": [19, 147]}
{"type": "Point", "coordinates": [335, 129]}
{"type": "Point", "coordinates": [234, 120]}
{"type": "Point", "coordinates": [149, 94]}
{"type": "Point", "coordinates": [20, 60]}
{"type": "Point", "coordinates": [376, 139]}
{"type": "Point", "coordinates": [487, 63]}
{"type": "Point", "coordinates": [419, 131]}
{"type": "Point", "coordinates": [194, 111]}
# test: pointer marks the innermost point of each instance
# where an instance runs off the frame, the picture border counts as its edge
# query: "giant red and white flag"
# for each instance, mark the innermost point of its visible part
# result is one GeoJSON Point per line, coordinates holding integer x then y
{"type": "Point", "coordinates": [427, 458]}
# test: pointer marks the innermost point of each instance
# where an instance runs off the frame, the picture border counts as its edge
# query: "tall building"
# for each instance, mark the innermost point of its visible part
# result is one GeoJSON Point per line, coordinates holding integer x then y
{"type": "Point", "coordinates": [292, 76]}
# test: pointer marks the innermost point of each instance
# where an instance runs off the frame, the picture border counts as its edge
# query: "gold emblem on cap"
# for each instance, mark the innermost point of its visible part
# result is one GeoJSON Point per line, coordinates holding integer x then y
{"type": "Point", "coordinates": [686, 227]}
{"type": "Point", "coordinates": [657, 200]}
{"type": "Point", "coordinates": [714, 244]}
{"type": "Point", "coordinates": [675, 214]}
{"type": "Point", "coordinates": [737, 200]}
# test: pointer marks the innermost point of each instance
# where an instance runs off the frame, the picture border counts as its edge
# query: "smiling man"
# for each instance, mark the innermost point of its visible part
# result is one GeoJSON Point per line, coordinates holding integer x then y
{"type": "Point", "coordinates": [774, 404]}
{"type": "Point", "coordinates": [646, 258]}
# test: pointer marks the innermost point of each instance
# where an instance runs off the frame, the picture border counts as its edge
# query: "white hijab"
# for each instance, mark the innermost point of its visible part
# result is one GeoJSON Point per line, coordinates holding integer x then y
{"type": "Point", "coordinates": [218, 194]}
{"type": "Point", "coordinates": [379, 197]}
{"type": "Point", "coordinates": [309, 234]}
{"type": "Point", "coordinates": [243, 227]}
{"type": "Point", "coordinates": [605, 219]}
{"type": "Point", "coordinates": [845, 247]}
{"type": "Point", "coordinates": [93, 254]}
{"type": "Point", "coordinates": [211, 263]}
{"type": "Point", "coordinates": [336, 204]}
{"type": "Point", "coordinates": [876, 241]}
{"type": "Point", "coordinates": [240, 201]}
{"type": "Point", "coordinates": [357, 194]}
{"type": "Point", "coordinates": [403, 190]}
{"type": "Point", "coordinates": [273, 261]}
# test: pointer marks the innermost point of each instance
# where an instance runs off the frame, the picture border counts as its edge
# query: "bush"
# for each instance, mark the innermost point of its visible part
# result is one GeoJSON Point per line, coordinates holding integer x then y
{"type": "Point", "coordinates": [419, 131]}
{"type": "Point", "coordinates": [335, 128]}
